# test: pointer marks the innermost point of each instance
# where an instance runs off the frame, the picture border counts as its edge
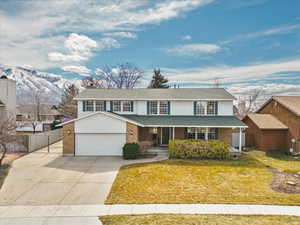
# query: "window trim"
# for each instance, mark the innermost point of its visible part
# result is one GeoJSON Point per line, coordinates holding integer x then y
{"type": "Point", "coordinates": [130, 106]}
{"type": "Point", "coordinates": [206, 105]}
{"type": "Point", "coordinates": [104, 105]}
{"type": "Point", "coordinates": [85, 105]}
{"type": "Point", "coordinates": [158, 108]}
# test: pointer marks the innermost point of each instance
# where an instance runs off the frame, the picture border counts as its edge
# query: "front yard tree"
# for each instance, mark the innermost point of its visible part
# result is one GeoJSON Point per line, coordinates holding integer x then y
{"type": "Point", "coordinates": [248, 104]}
{"type": "Point", "coordinates": [121, 76]}
{"type": "Point", "coordinates": [67, 105]}
{"type": "Point", "coordinates": [158, 80]}
{"type": "Point", "coordinates": [7, 135]}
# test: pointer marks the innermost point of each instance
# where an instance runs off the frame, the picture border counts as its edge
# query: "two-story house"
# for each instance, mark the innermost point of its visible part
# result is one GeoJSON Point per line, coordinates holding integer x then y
{"type": "Point", "coordinates": [108, 118]}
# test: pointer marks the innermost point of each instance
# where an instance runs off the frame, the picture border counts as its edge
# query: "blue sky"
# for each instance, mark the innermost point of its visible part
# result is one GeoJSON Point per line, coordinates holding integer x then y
{"type": "Point", "coordinates": [246, 44]}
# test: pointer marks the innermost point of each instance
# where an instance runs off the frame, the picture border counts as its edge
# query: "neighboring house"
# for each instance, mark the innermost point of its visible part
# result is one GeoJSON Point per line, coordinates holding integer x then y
{"type": "Point", "coordinates": [108, 118]}
{"type": "Point", "coordinates": [276, 125]}
{"type": "Point", "coordinates": [27, 114]}
{"type": "Point", "coordinates": [7, 96]}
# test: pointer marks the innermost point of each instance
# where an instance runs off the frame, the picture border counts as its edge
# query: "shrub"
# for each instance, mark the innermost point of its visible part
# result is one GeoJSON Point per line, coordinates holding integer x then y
{"type": "Point", "coordinates": [199, 149]}
{"type": "Point", "coordinates": [131, 151]}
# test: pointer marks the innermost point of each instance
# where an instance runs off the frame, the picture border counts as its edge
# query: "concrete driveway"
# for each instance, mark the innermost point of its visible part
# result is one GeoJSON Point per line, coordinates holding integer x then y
{"type": "Point", "coordinates": [42, 178]}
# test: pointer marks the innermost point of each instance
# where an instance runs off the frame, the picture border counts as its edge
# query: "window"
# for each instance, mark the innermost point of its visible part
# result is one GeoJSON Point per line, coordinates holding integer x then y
{"type": "Point", "coordinates": [200, 133]}
{"type": "Point", "coordinates": [200, 108]}
{"type": "Point", "coordinates": [163, 107]}
{"type": "Point", "coordinates": [190, 134]}
{"type": "Point", "coordinates": [212, 133]}
{"type": "Point", "coordinates": [128, 106]}
{"type": "Point", "coordinates": [100, 106]}
{"type": "Point", "coordinates": [211, 108]}
{"type": "Point", "coordinates": [116, 106]}
{"type": "Point", "coordinates": [152, 107]}
{"type": "Point", "coordinates": [88, 106]}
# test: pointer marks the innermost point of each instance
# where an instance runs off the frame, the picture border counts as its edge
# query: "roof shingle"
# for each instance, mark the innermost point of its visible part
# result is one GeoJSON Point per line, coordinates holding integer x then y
{"type": "Point", "coordinates": [156, 94]}
{"type": "Point", "coordinates": [290, 102]}
{"type": "Point", "coordinates": [267, 122]}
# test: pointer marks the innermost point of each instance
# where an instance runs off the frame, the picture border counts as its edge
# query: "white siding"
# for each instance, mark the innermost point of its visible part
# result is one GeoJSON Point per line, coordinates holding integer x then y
{"type": "Point", "coordinates": [184, 108]}
{"type": "Point", "coordinates": [141, 107]}
{"type": "Point", "coordinates": [225, 108]}
{"type": "Point", "coordinates": [100, 124]}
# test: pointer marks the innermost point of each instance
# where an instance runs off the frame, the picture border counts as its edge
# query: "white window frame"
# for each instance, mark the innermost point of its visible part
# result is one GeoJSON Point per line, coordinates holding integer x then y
{"type": "Point", "coordinates": [163, 107]}
{"type": "Point", "coordinates": [214, 133]}
{"type": "Point", "coordinates": [153, 110]}
{"type": "Point", "coordinates": [100, 107]}
{"type": "Point", "coordinates": [207, 130]}
{"type": "Point", "coordinates": [159, 104]}
{"type": "Point", "coordinates": [130, 106]}
{"type": "Point", "coordinates": [88, 106]}
{"type": "Point", "coordinates": [118, 104]}
{"type": "Point", "coordinates": [202, 104]}
{"type": "Point", "coordinates": [214, 108]}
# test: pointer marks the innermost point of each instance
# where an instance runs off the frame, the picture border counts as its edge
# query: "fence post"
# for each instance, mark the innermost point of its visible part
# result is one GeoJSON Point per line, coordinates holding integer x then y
{"type": "Point", "coordinates": [48, 143]}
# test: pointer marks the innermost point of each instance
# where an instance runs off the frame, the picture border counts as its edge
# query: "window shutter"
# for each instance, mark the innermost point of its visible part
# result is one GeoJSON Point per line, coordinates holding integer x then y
{"type": "Point", "coordinates": [104, 106]}
{"type": "Point", "coordinates": [132, 106]}
{"type": "Point", "coordinates": [216, 108]}
{"type": "Point", "coordinates": [148, 108]}
{"type": "Point", "coordinates": [83, 106]}
{"type": "Point", "coordinates": [195, 105]}
{"type": "Point", "coordinates": [111, 106]}
{"type": "Point", "coordinates": [169, 110]}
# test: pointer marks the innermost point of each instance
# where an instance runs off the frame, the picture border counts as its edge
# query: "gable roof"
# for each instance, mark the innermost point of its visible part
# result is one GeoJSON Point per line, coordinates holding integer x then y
{"type": "Point", "coordinates": [267, 122]}
{"type": "Point", "coordinates": [155, 94]}
{"type": "Point", "coordinates": [290, 102]}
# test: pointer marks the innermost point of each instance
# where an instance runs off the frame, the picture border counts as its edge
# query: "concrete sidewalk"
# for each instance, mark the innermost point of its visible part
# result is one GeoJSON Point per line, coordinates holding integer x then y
{"type": "Point", "coordinates": [88, 214]}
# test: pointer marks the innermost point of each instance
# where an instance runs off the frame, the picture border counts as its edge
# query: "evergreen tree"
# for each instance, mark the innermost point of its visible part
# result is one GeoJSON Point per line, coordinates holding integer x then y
{"type": "Point", "coordinates": [67, 105]}
{"type": "Point", "coordinates": [158, 80]}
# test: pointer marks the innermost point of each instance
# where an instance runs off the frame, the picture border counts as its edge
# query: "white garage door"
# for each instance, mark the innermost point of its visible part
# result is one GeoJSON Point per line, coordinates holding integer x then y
{"type": "Point", "coordinates": [99, 144]}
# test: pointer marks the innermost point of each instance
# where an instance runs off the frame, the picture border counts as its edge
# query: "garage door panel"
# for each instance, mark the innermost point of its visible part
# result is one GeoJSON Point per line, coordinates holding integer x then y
{"type": "Point", "coordinates": [99, 144]}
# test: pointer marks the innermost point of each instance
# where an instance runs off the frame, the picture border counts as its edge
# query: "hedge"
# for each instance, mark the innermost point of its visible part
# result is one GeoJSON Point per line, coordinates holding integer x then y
{"type": "Point", "coordinates": [131, 151]}
{"type": "Point", "coordinates": [199, 149]}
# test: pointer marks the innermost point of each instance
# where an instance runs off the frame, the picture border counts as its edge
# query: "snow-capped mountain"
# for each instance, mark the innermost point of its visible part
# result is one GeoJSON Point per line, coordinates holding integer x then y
{"type": "Point", "coordinates": [28, 80]}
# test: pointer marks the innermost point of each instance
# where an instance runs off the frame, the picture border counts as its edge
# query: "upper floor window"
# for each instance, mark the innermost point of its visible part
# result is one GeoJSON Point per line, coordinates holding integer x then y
{"type": "Point", "coordinates": [88, 106]}
{"type": "Point", "coordinates": [152, 107]}
{"type": "Point", "coordinates": [116, 106]}
{"type": "Point", "coordinates": [200, 108]}
{"type": "Point", "coordinates": [206, 108]}
{"type": "Point", "coordinates": [100, 106]}
{"type": "Point", "coordinates": [212, 108]}
{"type": "Point", "coordinates": [127, 106]}
{"type": "Point", "coordinates": [163, 107]}
{"type": "Point", "coordinates": [158, 108]}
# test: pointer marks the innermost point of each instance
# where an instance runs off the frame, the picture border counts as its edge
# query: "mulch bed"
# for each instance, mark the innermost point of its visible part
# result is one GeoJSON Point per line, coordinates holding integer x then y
{"type": "Point", "coordinates": [285, 182]}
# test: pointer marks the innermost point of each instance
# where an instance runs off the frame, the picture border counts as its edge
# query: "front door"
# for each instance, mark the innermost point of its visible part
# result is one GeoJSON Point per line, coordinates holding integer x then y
{"type": "Point", "coordinates": [165, 135]}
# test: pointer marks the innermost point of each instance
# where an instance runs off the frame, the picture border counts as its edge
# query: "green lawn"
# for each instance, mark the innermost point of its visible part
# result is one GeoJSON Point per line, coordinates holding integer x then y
{"type": "Point", "coordinates": [184, 219]}
{"type": "Point", "coordinates": [277, 160]}
{"type": "Point", "coordinates": [243, 181]}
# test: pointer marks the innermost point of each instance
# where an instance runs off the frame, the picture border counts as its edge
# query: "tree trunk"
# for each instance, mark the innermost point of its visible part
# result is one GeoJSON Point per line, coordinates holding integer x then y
{"type": "Point", "coordinates": [3, 154]}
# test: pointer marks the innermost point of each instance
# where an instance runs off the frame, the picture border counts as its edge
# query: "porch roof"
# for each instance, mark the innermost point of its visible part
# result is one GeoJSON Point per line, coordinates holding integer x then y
{"type": "Point", "coordinates": [187, 121]}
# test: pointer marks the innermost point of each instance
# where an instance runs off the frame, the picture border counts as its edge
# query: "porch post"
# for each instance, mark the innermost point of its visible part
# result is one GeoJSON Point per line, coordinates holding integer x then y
{"type": "Point", "coordinates": [206, 133]}
{"type": "Point", "coordinates": [240, 141]}
{"type": "Point", "coordinates": [173, 133]}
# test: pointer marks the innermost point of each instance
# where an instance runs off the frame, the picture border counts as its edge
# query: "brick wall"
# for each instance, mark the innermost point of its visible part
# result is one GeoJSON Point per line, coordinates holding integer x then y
{"type": "Point", "coordinates": [68, 139]}
{"type": "Point", "coordinates": [132, 133]}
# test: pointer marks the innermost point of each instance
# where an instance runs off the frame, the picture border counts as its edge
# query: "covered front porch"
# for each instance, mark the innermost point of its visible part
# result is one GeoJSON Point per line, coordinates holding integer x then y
{"type": "Point", "coordinates": [149, 137]}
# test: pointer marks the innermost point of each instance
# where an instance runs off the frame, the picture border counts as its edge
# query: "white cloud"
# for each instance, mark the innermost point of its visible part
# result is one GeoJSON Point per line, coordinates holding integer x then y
{"type": "Point", "coordinates": [44, 22]}
{"type": "Point", "coordinates": [273, 31]}
{"type": "Point", "coordinates": [121, 34]}
{"type": "Point", "coordinates": [108, 43]}
{"type": "Point", "coordinates": [230, 74]}
{"type": "Point", "coordinates": [82, 70]}
{"type": "Point", "coordinates": [187, 38]}
{"type": "Point", "coordinates": [78, 47]}
{"type": "Point", "coordinates": [193, 49]}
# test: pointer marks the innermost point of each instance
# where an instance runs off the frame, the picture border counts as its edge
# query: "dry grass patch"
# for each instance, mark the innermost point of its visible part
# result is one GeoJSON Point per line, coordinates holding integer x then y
{"type": "Point", "coordinates": [277, 160]}
{"type": "Point", "coordinates": [173, 219]}
{"type": "Point", "coordinates": [244, 181]}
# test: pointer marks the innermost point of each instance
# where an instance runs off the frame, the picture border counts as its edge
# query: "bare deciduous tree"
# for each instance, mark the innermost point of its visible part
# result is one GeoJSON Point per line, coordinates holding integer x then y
{"type": "Point", "coordinates": [7, 135]}
{"type": "Point", "coordinates": [67, 105]}
{"type": "Point", "coordinates": [121, 76]}
{"type": "Point", "coordinates": [248, 104]}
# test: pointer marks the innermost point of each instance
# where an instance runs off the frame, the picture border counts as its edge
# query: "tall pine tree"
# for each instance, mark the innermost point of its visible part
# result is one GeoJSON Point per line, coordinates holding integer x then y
{"type": "Point", "coordinates": [158, 80]}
